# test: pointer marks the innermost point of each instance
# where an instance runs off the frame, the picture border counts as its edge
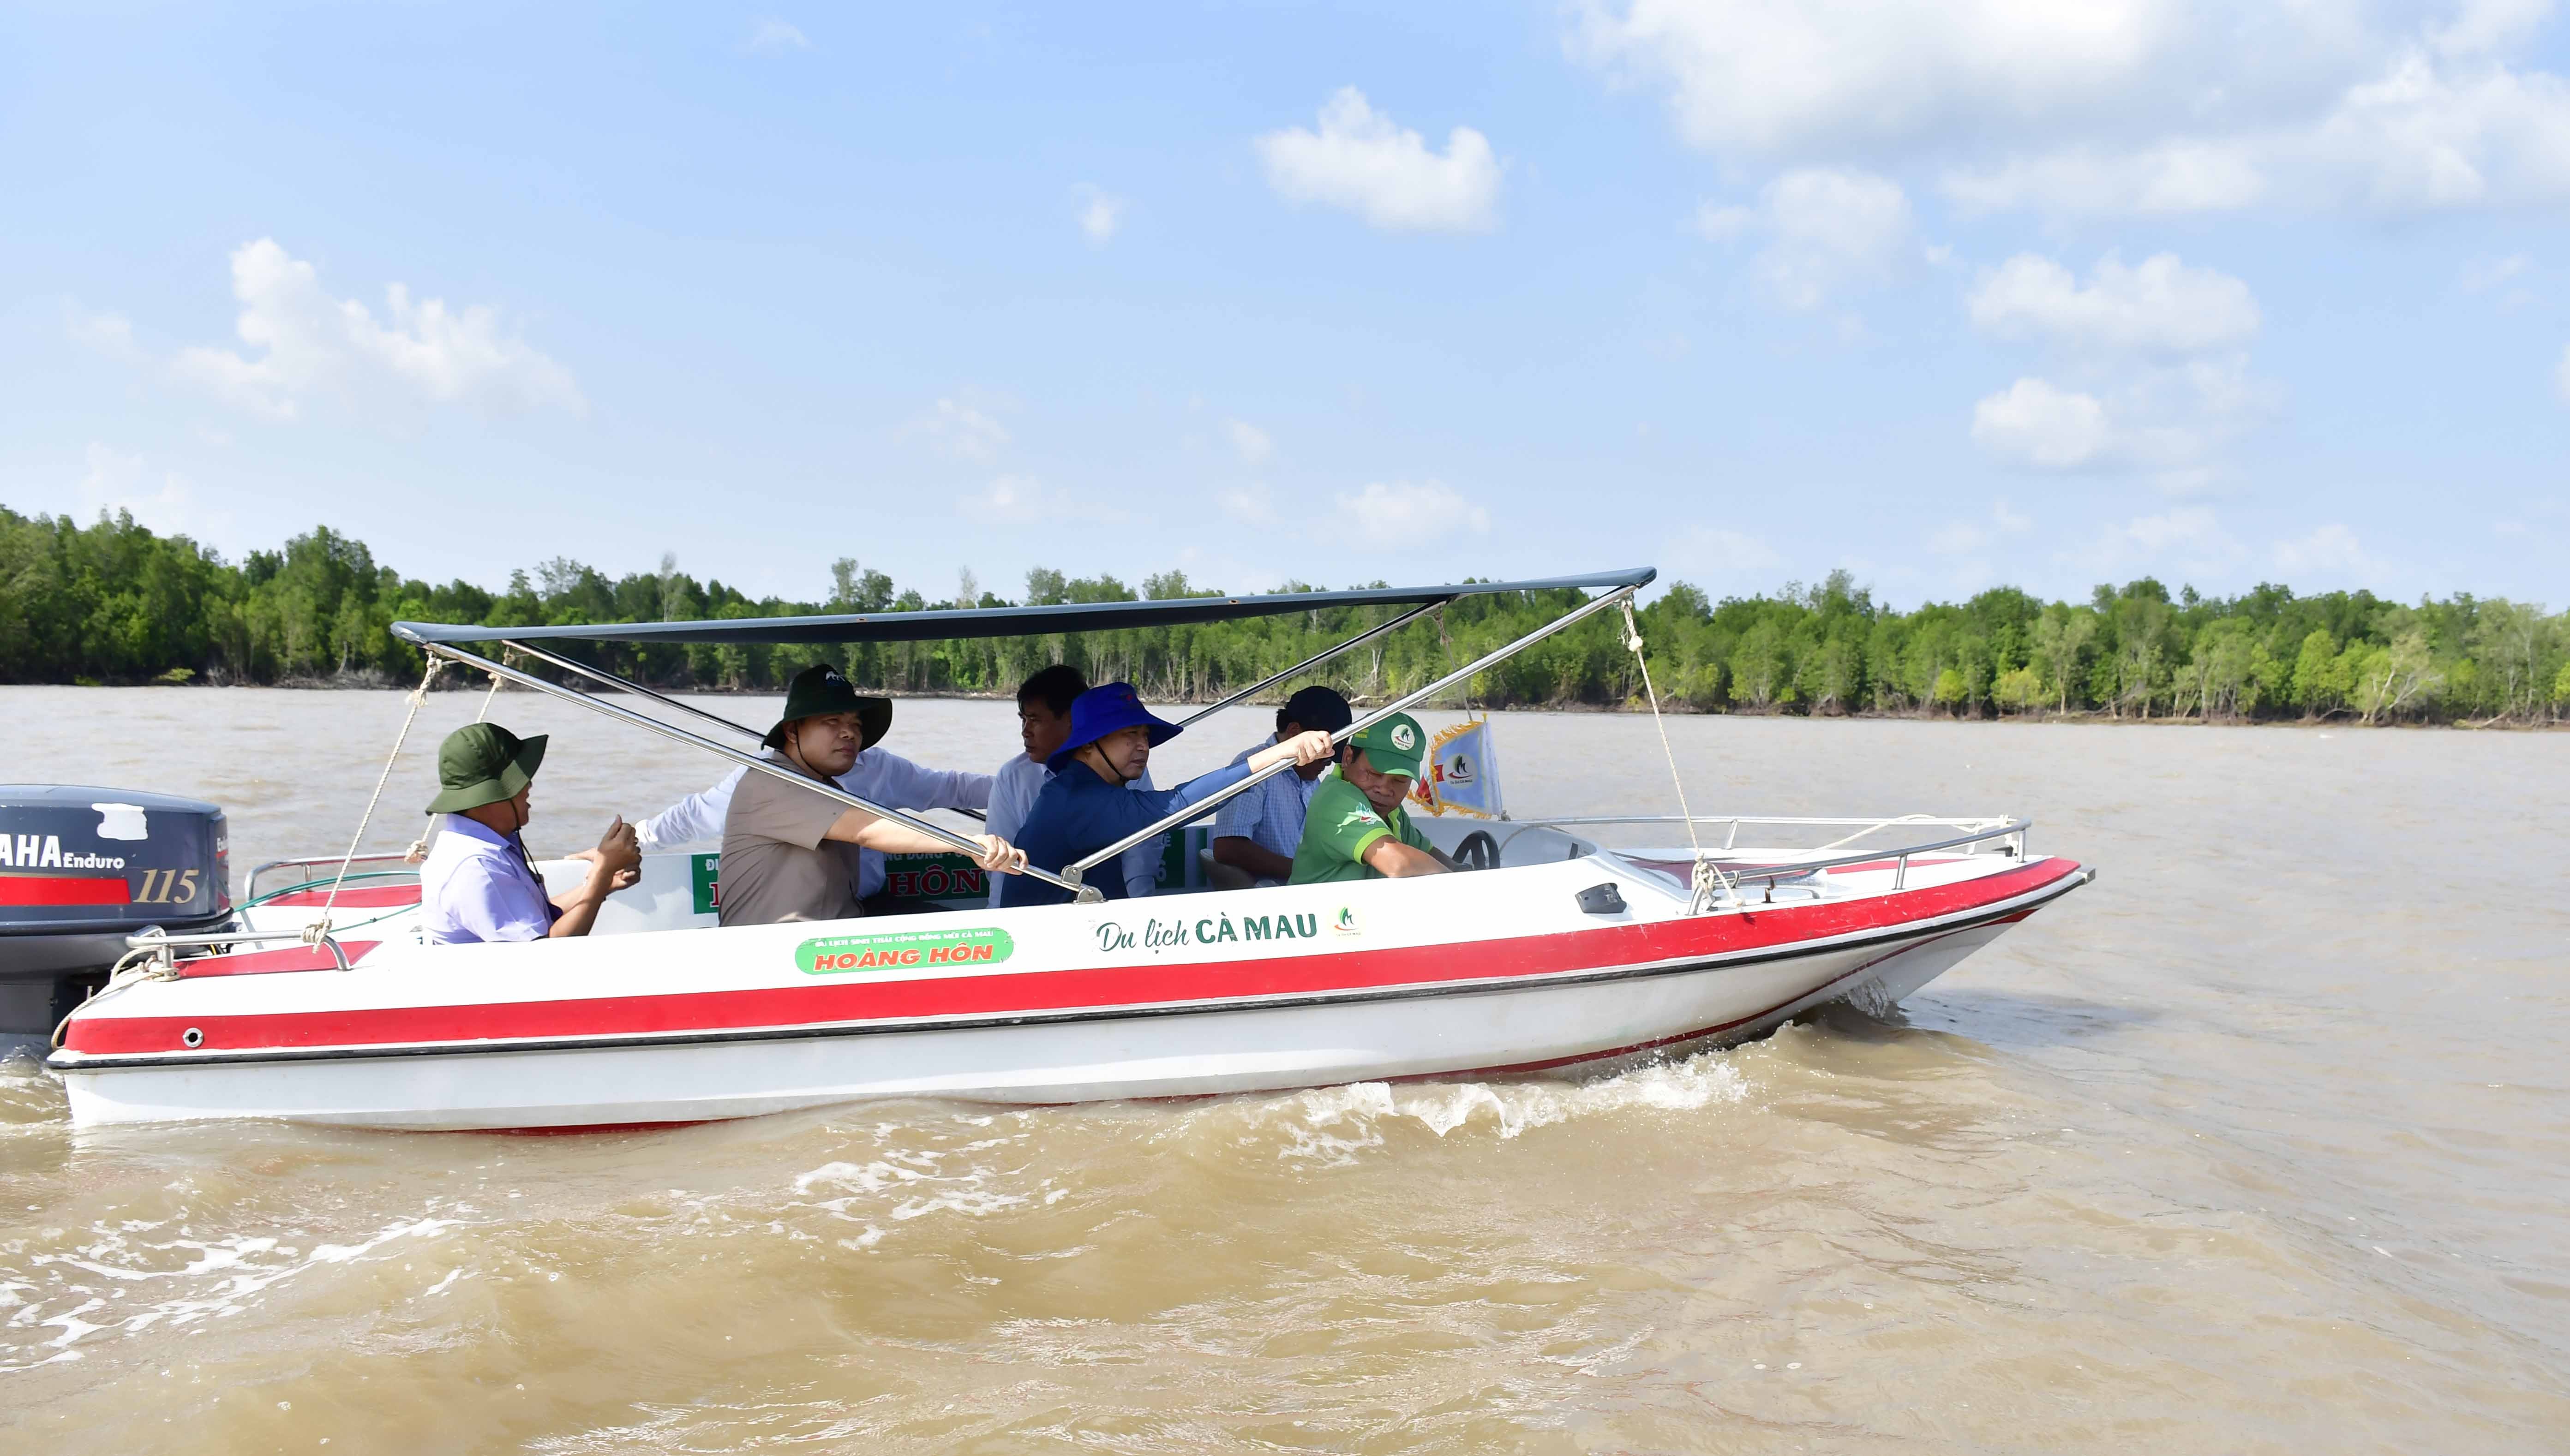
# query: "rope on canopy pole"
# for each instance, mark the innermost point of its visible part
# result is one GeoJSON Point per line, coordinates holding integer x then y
{"type": "Point", "coordinates": [484, 716]}
{"type": "Point", "coordinates": [418, 699]}
{"type": "Point", "coordinates": [1707, 874]}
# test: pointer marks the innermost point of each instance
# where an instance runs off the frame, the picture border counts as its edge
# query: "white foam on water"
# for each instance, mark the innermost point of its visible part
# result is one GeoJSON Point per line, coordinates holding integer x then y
{"type": "Point", "coordinates": [903, 1185]}
{"type": "Point", "coordinates": [219, 1279]}
{"type": "Point", "coordinates": [1334, 1124]}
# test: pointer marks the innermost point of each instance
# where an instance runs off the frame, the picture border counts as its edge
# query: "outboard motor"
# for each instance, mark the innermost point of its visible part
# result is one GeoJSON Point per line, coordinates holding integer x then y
{"type": "Point", "coordinates": [82, 869]}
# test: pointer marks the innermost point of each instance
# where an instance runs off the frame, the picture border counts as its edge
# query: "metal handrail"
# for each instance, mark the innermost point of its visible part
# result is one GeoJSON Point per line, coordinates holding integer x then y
{"type": "Point", "coordinates": [1308, 664]}
{"type": "Point", "coordinates": [600, 675]}
{"type": "Point", "coordinates": [152, 940]}
{"type": "Point", "coordinates": [1208, 804]}
{"type": "Point", "coordinates": [250, 890]}
{"type": "Point", "coordinates": [2012, 830]}
{"type": "Point", "coordinates": [649, 723]}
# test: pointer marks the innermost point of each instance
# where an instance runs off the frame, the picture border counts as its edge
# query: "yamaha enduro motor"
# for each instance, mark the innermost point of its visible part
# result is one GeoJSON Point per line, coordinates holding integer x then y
{"type": "Point", "coordinates": [80, 869]}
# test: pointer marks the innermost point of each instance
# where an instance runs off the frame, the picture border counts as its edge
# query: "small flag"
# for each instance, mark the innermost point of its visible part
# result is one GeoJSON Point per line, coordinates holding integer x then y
{"type": "Point", "coordinates": [1462, 773]}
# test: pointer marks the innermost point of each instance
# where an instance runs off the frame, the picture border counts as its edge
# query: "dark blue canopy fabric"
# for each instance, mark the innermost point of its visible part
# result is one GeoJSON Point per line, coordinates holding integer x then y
{"type": "Point", "coordinates": [1003, 622]}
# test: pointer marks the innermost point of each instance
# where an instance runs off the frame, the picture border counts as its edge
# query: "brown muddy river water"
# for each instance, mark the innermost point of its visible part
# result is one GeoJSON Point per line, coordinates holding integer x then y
{"type": "Point", "coordinates": [2260, 1144]}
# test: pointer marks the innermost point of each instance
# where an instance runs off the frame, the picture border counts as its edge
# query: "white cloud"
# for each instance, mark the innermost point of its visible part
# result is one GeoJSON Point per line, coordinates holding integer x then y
{"type": "Point", "coordinates": [110, 334]}
{"type": "Point", "coordinates": [2161, 306]}
{"type": "Point", "coordinates": [2331, 548]}
{"type": "Point", "coordinates": [1400, 513]}
{"type": "Point", "coordinates": [2040, 424]}
{"type": "Point", "coordinates": [310, 345]}
{"type": "Point", "coordinates": [1825, 228]}
{"type": "Point", "coordinates": [1721, 548]}
{"type": "Point", "coordinates": [1252, 442]}
{"type": "Point", "coordinates": [774, 37]}
{"type": "Point", "coordinates": [2158, 374]}
{"type": "Point", "coordinates": [2483, 274]}
{"type": "Point", "coordinates": [1100, 216]}
{"type": "Point", "coordinates": [2488, 26]}
{"type": "Point", "coordinates": [1251, 506]}
{"type": "Point", "coordinates": [1768, 77]}
{"type": "Point", "coordinates": [1019, 499]}
{"type": "Point", "coordinates": [2172, 421]}
{"type": "Point", "coordinates": [1961, 538]}
{"type": "Point", "coordinates": [2188, 540]}
{"type": "Point", "coordinates": [1716, 224]}
{"type": "Point", "coordinates": [2161, 178]}
{"type": "Point", "coordinates": [2117, 107]}
{"type": "Point", "coordinates": [163, 500]}
{"type": "Point", "coordinates": [963, 432]}
{"type": "Point", "coordinates": [1360, 160]}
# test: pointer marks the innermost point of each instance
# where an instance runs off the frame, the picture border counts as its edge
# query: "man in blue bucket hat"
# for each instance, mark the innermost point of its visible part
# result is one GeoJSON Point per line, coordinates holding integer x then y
{"type": "Point", "coordinates": [1088, 806]}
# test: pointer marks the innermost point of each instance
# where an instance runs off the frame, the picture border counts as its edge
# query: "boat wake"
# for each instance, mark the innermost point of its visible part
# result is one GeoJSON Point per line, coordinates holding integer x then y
{"type": "Point", "coordinates": [1329, 1126]}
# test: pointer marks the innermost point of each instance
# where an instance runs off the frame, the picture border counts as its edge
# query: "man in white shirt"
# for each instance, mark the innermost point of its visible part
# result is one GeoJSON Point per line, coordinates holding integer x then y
{"type": "Point", "coordinates": [878, 776]}
{"type": "Point", "coordinates": [1257, 831]}
{"type": "Point", "coordinates": [1044, 721]}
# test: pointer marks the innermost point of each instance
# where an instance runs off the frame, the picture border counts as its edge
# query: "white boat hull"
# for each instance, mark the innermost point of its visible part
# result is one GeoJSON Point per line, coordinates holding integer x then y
{"type": "Point", "coordinates": [478, 1038]}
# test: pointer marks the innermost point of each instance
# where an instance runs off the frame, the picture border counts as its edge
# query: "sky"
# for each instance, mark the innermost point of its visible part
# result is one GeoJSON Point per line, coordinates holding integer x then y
{"type": "Point", "coordinates": [1948, 293]}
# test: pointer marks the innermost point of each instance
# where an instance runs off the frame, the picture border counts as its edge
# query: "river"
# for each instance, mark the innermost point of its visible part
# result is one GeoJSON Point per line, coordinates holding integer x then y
{"type": "Point", "coordinates": [2262, 1142]}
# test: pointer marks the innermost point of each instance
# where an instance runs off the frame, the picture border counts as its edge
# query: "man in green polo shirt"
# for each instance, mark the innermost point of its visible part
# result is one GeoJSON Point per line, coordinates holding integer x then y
{"type": "Point", "coordinates": [1355, 828]}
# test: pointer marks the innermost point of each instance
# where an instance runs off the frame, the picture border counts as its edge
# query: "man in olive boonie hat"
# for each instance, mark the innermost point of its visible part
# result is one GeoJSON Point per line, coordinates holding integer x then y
{"type": "Point", "coordinates": [478, 883]}
{"type": "Point", "coordinates": [792, 854]}
{"type": "Point", "coordinates": [1357, 827]}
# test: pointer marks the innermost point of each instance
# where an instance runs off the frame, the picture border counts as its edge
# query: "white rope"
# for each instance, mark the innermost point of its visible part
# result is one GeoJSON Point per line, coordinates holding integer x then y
{"type": "Point", "coordinates": [485, 714]}
{"type": "Point", "coordinates": [1707, 874]}
{"type": "Point", "coordinates": [418, 699]}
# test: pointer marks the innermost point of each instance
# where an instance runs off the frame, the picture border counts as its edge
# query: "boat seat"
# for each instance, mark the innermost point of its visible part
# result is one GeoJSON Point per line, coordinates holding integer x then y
{"type": "Point", "coordinates": [1221, 875]}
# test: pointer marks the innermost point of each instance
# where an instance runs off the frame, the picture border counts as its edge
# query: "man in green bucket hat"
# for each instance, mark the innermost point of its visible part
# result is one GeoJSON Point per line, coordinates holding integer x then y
{"type": "Point", "coordinates": [1355, 828]}
{"type": "Point", "coordinates": [790, 854]}
{"type": "Point", "coordinates": [478, 883]}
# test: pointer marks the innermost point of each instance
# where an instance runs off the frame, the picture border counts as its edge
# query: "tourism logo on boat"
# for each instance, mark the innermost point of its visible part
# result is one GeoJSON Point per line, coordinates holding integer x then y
{"type": "Point", "coordinates": [903, 950]}
{"type": "Point", "coordinates": [1156, 935]}
{"type": "Point", "coordinates": [1347, 923]}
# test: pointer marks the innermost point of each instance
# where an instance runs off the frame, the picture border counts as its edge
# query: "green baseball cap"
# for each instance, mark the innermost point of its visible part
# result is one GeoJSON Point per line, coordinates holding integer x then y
{"type": "Point", "coordinates": [1394, 745]}
{"type": "Point", "coordinates": [484, 762]}
{"type": "Point", "coordinates": [820, 689]}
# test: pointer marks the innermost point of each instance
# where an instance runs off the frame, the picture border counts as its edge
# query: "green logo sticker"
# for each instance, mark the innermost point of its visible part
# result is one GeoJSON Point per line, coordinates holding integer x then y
{"type": "Point", "coordinates": [903, 949]}
{"type": "Point", "coordinates": [706, 872]}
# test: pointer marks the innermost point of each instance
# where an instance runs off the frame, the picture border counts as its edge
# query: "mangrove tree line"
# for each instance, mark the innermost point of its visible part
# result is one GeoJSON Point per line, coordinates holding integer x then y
{"type": "Point", "coordinates": [112, 602]}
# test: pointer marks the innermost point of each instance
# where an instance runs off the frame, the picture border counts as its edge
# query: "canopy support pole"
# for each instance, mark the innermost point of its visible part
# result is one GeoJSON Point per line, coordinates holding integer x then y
{"type": "Point", "coordinates": [643, 721]}
{"type": "Point", "coordinates": [1308, 664]}
{"type": "Point", "coordinates": [1207, 805]}
{"type": "Point", "coordinates": [599, 675]}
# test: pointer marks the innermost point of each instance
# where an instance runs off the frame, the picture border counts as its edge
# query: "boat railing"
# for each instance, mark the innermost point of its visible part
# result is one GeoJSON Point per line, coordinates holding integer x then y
{"type": "Point", "coordinates": [1974, 832]}
{"type": "Point", "coordinates": [160, 944]}
{"type": "Point", "coordinates": [251, 891]}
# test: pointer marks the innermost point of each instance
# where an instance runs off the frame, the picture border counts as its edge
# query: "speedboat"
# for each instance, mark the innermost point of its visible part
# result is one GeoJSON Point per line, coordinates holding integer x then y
{"type": "Point", "coordinates": [322, 1004]}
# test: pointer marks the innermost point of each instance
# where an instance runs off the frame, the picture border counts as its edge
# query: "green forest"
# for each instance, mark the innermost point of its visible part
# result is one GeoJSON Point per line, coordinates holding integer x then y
{"type": "Point", "coordinates": [111, 602]}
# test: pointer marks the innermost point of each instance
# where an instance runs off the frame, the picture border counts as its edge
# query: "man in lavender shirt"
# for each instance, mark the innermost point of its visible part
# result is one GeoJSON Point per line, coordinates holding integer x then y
{"type": "Point", "coordinates": [478, 883]}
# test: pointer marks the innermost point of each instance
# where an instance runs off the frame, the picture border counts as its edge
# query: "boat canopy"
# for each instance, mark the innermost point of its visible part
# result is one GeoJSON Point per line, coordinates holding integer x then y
{"type": "Point", "coordinates": [1004, 621]}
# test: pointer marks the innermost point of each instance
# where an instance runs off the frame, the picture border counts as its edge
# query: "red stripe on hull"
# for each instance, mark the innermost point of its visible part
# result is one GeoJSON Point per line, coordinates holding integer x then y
{"type": "Point", "coordinates": [1087, 989]}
